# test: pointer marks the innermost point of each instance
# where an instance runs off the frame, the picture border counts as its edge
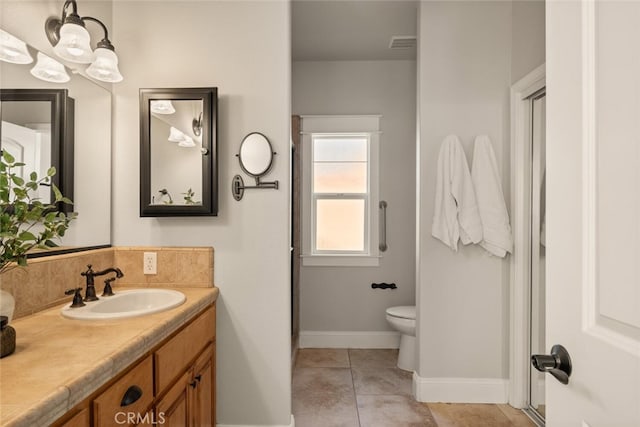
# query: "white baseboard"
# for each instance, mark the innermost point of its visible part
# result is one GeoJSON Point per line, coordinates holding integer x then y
{"type": "Point", "coordinates": [460, 390]}
{"type": "Point", "coordinates": [291, 424]}
{"type": "Point", "coordinates": [349, 339]}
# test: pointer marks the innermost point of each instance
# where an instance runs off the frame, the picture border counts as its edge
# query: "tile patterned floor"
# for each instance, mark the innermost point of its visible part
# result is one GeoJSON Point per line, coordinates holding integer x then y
{"type": "Point", "coordinates": [364, 388]}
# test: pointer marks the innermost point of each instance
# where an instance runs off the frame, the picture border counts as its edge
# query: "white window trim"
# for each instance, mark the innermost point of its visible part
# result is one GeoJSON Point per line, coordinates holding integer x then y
{"type": "Point", "coordinates": [357, 125]}
{"type": "Point", "coordinates": [366, 197]}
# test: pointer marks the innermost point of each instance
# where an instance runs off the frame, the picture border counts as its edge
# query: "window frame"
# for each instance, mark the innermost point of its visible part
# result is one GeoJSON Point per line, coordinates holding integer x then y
{"type": "Point", "coordinates": [366, 196]}
{"type": "Point", "coordinates": [340, 126]}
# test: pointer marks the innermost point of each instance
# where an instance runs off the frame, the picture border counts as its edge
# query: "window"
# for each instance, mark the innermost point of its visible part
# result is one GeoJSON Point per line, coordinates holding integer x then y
{"type": "Point", "coordinates": [340, 175]}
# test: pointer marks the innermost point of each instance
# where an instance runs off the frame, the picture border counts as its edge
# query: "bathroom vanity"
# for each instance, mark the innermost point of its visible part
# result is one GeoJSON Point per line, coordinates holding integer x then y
{"type": "Point", "coordinates": [154, 369]}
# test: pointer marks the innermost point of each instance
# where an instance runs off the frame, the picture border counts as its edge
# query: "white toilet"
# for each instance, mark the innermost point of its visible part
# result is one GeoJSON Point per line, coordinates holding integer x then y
{"type": "Point", "coordinates": [403, 319]}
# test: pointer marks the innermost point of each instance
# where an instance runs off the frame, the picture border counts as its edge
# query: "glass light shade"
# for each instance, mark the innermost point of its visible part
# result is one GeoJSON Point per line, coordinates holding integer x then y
{"type": "Point", "coordinates": [49, 70]}
{"type": "Point", "coordinates": [105, 66]}
{"type": "Point", "coordinates": [162, 107]}
{"type": "Point", "coordinates": [187, 142]}
{"type": "Point", "coordinates": [13, 50]}
{"type": "Point", "coordinates": [174, 134]}
{"type": "Point", "coordinates": [74, 44]}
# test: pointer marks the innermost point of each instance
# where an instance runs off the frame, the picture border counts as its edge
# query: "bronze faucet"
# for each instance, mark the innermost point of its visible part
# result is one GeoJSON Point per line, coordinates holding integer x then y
{"type": "Point", "coordinates": [90, 292]}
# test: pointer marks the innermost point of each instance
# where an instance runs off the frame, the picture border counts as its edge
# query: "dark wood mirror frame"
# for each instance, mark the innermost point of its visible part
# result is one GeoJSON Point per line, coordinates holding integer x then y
{"type": "Point", "coordinates": [209, 98]}
{"type": "Point", "coordinates": [62, 134]}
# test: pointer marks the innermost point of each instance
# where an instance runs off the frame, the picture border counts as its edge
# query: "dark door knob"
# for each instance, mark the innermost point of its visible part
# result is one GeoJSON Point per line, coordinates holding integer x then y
{"type": "Point", "coordinates": [558, 363]}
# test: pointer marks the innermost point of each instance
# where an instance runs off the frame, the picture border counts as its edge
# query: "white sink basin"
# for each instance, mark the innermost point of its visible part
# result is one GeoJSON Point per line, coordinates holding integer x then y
{"type": "Point", "coordinates": [132, 303]}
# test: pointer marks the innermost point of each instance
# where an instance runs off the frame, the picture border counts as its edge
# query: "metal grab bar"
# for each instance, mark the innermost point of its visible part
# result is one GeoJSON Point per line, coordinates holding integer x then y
{"type": "Point", "coordinates": [383, 226]}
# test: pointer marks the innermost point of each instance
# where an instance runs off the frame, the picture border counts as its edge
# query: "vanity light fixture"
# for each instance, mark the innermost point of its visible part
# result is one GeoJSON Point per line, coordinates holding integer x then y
{"type": "Point", "coordinates": [13, 50]}
{"type": "Point", "coordinates": [176, 135]}
{"type": "Point", "coordinates": [49, 70]}
{"type": "Point", "coordinates": [71, 42]}
{"type": "Point", "coordinates": [73, 39]}
{"type": "Point", "coordinates": [105, 63]}
{"type": "Point", "coordinates": [187, 142]}
{"type": "Point", "coordinates": [163, 106]}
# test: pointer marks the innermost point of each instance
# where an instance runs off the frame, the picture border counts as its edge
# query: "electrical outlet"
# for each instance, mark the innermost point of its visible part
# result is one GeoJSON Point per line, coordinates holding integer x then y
{"type": "Point", "coordinates": [150, 263]}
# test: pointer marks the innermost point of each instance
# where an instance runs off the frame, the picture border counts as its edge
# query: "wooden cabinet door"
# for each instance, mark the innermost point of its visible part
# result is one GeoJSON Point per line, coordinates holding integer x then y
{"type": "Point", "coordinates": [175, 355]}
{"type": "Point", "coordinates": [203, 405]}
{"type": "Point", "coordinates": [173, 409]}
{"type": "Point", "coordinates": [126, 401]}
{"type": "Point", "coordinates": [81, 419]}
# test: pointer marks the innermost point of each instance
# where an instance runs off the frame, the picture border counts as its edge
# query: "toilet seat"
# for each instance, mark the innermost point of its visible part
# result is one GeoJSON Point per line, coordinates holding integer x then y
{"type": "Point", "coordinates": [403, 312]}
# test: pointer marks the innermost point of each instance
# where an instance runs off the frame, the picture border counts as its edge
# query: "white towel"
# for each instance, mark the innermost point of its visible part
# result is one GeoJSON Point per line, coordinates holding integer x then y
{"type": "Point", "coordinates": [496, 231]}
{"type": "Point", "coordinates": [456, 213]}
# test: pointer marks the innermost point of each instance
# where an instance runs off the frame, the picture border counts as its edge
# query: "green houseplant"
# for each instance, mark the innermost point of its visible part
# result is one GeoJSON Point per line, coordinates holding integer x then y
{"type": "Point", "coordinates": [27, 223]}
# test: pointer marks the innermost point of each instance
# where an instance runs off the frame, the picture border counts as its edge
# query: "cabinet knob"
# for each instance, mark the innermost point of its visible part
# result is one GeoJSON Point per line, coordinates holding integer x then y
{"type": "Point", "coordinates": [198, 377]}
{"type": "Point", "coordinates": [132, 394]}
{"type": "Point", "coordinates": [193, 384]}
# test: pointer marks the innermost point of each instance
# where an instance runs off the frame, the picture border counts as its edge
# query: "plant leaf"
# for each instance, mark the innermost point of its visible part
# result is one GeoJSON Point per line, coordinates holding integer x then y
{"type": "Point", "coordinates": [17, 180]}
{"type": "Point", "coordinates": [57, 193]}
{"type": "Point", "coordinates": [27, 236]}
{"type": "Point", "coordinates": [7, 157]}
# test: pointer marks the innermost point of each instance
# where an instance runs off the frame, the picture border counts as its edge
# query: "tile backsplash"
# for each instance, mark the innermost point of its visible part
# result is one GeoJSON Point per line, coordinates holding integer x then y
{"type": "Point", "coordinates": [187, 267]}
{"type": "Point", "coordinates": [42, 283]}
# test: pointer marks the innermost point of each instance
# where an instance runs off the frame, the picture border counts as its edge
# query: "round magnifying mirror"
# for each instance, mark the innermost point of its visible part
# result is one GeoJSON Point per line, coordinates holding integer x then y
{"type": "Point", "coordinates": [256, 154]}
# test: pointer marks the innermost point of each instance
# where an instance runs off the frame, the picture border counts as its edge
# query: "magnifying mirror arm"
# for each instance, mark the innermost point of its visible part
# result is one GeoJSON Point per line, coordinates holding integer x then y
{"type": "Point", "coordinates": [238, 187]}
{"type": "Point", "coordinates": [265, 184]}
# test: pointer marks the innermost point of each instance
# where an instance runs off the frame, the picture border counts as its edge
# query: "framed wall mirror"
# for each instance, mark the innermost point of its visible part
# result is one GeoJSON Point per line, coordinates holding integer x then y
{"type": "Point", "coordinates": [91, 127]}
{"type": "Point", "coordinates": [38, 130]}
{"type": "Point", "coordinates": [84, 171]}
{"type": "Point", "coordinates": [178, 152]}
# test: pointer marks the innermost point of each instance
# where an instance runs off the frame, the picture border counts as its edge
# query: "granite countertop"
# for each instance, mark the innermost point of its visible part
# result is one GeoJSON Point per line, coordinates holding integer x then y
{"type": "Point", "coordinates": [59, 362]}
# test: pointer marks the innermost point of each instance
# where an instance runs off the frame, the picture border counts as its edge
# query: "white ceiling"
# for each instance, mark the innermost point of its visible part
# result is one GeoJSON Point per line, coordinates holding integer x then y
{"type": "Point", "coordinates": [343, 30]}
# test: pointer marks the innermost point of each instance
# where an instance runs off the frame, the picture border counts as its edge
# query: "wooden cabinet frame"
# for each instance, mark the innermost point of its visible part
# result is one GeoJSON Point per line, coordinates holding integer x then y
{"type": "Point", "coordinates": [183, 374]}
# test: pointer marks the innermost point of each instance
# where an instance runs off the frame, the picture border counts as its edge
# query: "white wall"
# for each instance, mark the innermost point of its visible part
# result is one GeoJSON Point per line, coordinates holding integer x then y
{"type": "Point", "coordinates": [243, 49]}
{"type": "Point", "coordinates": [328, 295]}
{"type": "Point", "coordinates": [464, 78]}
{"type": "Point", "coordinates": [527, 37]}
{"type": "Point", "coordinates": [469, 54]}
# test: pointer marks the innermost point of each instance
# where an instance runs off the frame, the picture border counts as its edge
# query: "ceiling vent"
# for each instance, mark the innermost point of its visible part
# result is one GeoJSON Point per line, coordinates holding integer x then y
{"type": "Point", "coordinates": [402, 42]}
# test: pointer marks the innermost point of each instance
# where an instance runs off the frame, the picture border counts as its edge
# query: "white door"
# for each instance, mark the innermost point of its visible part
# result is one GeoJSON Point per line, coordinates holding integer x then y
{"type": "Point", "coordinates": [593, 210]}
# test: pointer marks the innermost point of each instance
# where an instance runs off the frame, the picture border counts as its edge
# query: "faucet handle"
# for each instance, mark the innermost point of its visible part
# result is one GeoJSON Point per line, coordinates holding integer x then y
{"type": "Point", "coordinates": [88, 272]}
{"type": "Point", "coordinates": [107, 287]}
{"type": "Point", "coordinates": [77, 297]}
